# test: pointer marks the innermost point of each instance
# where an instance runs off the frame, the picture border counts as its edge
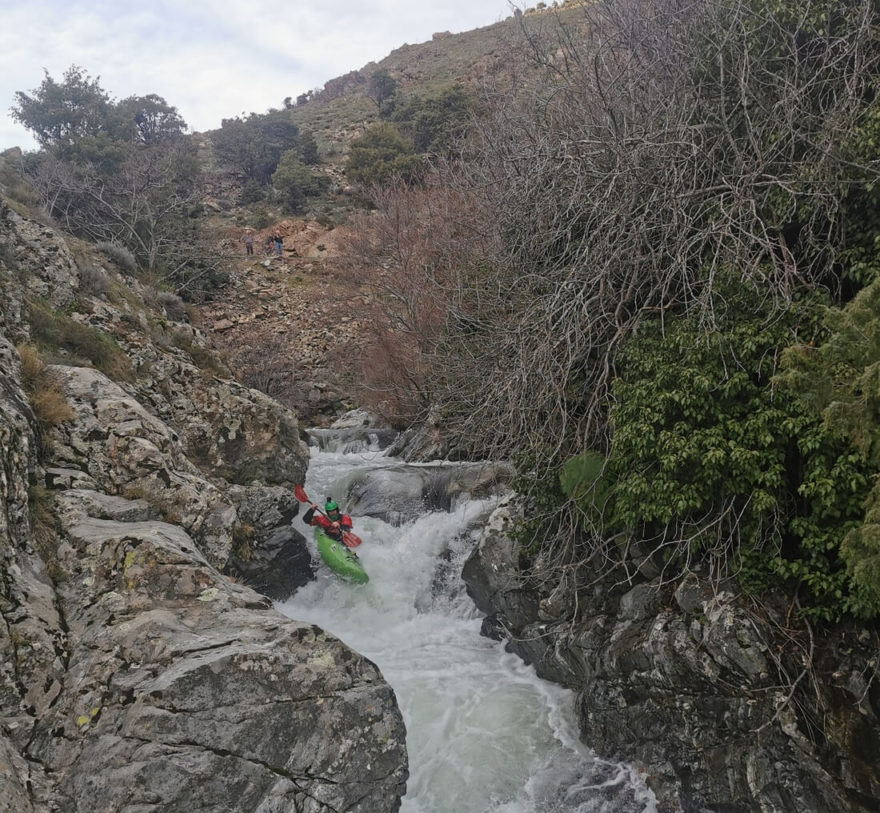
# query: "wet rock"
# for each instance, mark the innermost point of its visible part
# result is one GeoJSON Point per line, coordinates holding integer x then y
{"type": "Point", "coordinates": [692, 685]}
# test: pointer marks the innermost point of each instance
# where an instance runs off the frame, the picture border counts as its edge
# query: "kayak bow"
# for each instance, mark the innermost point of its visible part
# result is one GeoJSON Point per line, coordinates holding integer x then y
{"type": "Point", "coordinates": [342, 561]}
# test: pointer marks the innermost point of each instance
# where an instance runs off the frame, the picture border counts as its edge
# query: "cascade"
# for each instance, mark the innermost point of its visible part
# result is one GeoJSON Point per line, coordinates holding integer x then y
{"type": "Point", "coordinates": [484, 733]}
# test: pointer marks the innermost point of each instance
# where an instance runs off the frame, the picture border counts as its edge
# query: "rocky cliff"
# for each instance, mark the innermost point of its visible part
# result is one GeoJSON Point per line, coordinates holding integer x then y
{"type": "Point", "coordinates": [133, 673]}
{"type": "Point", "coordinates": [727, 706]}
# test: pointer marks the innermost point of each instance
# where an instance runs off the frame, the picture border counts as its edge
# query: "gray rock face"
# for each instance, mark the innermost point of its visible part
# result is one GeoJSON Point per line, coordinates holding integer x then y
{"type": "Point", "coordinates": [275, 558]}
{"type": "Point", "coordinates": [133, 674]}
{"type": "Point", "coordinates": [237, 433]}
{"type": "Point", "coordinates": [712, 699]}
{"type": "Point", "coordinates": [395, 493]}
{"type": "Point", "coordinates": [193, 694]}
{"type": "Point", "coordinates": [128, 451]}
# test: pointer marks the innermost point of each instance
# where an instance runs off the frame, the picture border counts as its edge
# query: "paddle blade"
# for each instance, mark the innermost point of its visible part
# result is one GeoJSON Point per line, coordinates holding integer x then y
{"type": "Point", "coordinates": [350, 540]}
{"type": "Point", "coordinates": [300, 493]}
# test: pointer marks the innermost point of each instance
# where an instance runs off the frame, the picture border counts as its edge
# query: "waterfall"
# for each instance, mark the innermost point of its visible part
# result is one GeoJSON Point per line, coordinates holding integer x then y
{"type": "Point", "coordinates": [484, 733]}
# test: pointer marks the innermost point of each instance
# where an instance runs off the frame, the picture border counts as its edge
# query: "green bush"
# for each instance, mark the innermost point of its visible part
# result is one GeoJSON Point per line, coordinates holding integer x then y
{"type": "Point", "coordinates": [839, 383]}
{"type": "Point", "coordinates": [380, 154]}
{"type": "Point", "coordinates": [711, 453]}
{"type": "Point", "coordinates": [296, 182]}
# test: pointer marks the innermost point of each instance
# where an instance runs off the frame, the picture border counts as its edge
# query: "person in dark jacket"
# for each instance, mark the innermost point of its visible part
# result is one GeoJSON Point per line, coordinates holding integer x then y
{"type": "Point", "coordinates": [334, 524]}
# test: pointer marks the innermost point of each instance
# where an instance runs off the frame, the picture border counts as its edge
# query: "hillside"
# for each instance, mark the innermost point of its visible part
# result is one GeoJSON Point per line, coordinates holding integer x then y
{"type": "Point", "coordinates": [308, 284]}
{"type": "Point", "coordinates": [650, 280]}
{"type": "Point", "coordinates": [342, 109]}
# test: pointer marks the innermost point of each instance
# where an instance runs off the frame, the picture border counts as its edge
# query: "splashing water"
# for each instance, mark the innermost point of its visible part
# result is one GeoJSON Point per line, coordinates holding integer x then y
{"type": "Point", "coordinates": [484, 733]}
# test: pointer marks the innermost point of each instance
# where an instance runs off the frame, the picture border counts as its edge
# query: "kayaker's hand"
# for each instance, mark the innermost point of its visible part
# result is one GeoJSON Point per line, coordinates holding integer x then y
{"type": "Point", "coordinates": [335, 526]}
{"type": "Point", "coordinates": [314, 506]}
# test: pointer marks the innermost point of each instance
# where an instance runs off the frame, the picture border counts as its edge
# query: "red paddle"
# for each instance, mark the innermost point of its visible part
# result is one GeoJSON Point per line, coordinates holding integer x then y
{"type": "Point", "coordinates": [349, 539]}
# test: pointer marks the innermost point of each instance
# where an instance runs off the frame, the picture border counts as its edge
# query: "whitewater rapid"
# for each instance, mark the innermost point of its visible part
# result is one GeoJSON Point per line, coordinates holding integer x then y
{"type": "Point", "coordinates": [484, 733]}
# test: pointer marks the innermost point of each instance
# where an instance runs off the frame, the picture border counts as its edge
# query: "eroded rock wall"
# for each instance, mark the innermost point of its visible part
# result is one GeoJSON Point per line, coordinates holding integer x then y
{"type": "Point", "coordinates": [133, 673]}
{"type": "Point", "coordinates": [726, 708]}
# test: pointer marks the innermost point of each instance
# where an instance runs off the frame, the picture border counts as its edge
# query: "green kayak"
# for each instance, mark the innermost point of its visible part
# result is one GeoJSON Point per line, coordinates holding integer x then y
{"type": "Point", "coordinates": [340, 559]}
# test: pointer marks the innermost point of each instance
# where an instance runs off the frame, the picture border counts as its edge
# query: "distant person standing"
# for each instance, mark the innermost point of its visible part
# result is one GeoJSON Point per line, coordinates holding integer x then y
{"type": "Point", "coordinates": [278, 244]}
{"type": "Point", "coordinates": [249, 243]}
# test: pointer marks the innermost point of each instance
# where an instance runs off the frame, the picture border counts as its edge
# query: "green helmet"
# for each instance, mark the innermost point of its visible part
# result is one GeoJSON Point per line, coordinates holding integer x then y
{"type": "Point", "coordinates": [331, 506]}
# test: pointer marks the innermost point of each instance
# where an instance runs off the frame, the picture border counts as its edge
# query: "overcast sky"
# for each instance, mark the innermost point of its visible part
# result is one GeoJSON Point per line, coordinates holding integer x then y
{"type": "Point", "coordinates": [212, 60]}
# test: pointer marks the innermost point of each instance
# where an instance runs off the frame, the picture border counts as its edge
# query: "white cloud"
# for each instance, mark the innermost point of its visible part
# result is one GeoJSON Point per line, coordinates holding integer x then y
{"type": "Point", "coordinates": [217, 59]}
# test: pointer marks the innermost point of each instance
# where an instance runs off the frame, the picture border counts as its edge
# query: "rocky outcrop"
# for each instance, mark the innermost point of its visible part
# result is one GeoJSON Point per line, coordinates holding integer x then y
{"type": "Point", "coordinates": [133, 673]}
{"type": "Point", "coordinates": [395, 493]}
{"type": "Point", "coordinates": [183, 691]}
{"type": "Point", "coordinates": [269, 555]}
{"type": "Point", "coordinates": [724, 707]}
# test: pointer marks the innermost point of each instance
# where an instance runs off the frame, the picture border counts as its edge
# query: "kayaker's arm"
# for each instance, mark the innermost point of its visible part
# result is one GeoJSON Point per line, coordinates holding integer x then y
{"type": "Point", "coordinates": [307, 517]}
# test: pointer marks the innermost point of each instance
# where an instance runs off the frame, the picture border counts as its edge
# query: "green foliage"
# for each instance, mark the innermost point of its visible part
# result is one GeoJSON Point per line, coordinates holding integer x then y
{"type": "Point", "coordinates": [260, 218]}
{"type": "Point", "coordinates": [710, 449]}
{"type": "Point", "coordinates": [118, 172]}
{"type": "Point", "coordinates": [436, 122]}
{"type": "Point", "coordinates": [380, 154]}
{"type": "Point", "coordinates": [251, 192]}
{"type": "Point", "coordinates": [79, 122]}
{"type": "Point", "coordinates": [381, 86]}
{"type": "Point", "coordinates": [840, 382]}
{"type": "Point", "coordinates": [861, 553]}
{"type": "Point", "coordinates": [582, 479]}
{"type": "Point", "coordinates": [252, 147]}
{"type": "Point", "coordinates": [59, 114]}
{"type": "Point", "coordinates": [308, 148]}
{"type": "Point", "coordinates": [296, 182]}
{"type": "Point", "coordinates": [148, 120]}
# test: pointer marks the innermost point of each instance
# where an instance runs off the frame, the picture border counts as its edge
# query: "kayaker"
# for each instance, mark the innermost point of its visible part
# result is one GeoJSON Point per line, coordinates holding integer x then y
{"type": "Point", "coordinates": [334, 524]}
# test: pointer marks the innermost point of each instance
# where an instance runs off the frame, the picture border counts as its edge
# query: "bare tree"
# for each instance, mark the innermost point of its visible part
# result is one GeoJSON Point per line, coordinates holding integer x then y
{"type": "Point", "coordinates": [411, 253]}
{"type": "Point", "coordinates": [659, 144]}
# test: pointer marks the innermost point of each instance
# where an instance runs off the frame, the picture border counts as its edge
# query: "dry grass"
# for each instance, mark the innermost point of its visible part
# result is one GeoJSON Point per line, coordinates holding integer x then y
{"type": "Point", "coordinates": [46, 397]}
{"type": "Point", "coordinates": [41, 507]}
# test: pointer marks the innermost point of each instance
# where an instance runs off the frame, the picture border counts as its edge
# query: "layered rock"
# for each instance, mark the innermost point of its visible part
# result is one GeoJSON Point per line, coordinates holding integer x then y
{"type": "Point", "coordinates": [726, 708]}
{"type": "Point", "coordinates": [133, 673]}
{"type": "Point", "coordinates": [191, 693]}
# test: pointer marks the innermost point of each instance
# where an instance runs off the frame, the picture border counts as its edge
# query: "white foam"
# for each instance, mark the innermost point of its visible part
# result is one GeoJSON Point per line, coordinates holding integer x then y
{"type": "Point", "coordinates": [484, 732]}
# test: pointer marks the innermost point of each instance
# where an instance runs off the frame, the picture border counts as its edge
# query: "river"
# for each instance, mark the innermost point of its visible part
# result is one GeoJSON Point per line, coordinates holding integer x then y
{"type": "Point", "coordinates": [484, 733]}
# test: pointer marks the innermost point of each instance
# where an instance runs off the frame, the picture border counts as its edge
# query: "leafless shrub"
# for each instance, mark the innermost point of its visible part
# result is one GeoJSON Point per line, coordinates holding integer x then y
{"type": "Point", "coordinates": [662, 142]}
{"type": "Point", "coordinates": [119, 254]}
{"type": "Point", "coordinates": [264, 364]}
{"type": "Point", "coordinates": [411, 254]}
{"type": "Point", "coordinates": [173, 305]}
{"type": "Point", "coordinates": [93, 280]}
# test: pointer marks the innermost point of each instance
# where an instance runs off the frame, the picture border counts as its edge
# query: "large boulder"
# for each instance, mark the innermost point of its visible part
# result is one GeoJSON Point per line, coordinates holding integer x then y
{"type": "Point", "coordinates": [236, 433]}
{"type": "Point", "coordinates": [269, 555]}
{"type": "Point", "coordinates": [185, 692]}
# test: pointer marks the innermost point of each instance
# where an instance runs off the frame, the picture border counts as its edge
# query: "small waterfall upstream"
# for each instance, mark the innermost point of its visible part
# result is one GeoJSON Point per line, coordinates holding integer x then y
{"type": "Point", "coordinates": [484, 733]}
